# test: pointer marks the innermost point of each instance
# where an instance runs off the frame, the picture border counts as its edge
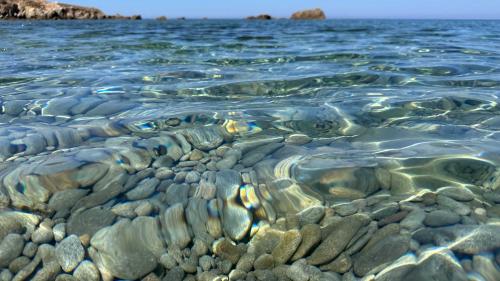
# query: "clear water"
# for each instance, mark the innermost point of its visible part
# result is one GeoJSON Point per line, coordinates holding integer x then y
{"type": "Point", "coordinates": [395, 108]}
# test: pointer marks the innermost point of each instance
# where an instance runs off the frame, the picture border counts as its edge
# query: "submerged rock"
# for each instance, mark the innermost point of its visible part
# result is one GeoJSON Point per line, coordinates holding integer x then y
{"type": "Point", "coordinates": [129, 249]}
{"type": "Point", "coordinates": [69, 253]}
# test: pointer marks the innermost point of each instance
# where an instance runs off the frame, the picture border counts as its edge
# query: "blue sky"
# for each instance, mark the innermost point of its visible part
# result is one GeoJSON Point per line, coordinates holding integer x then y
{"type": "Point", "coordinates": [471, 9]}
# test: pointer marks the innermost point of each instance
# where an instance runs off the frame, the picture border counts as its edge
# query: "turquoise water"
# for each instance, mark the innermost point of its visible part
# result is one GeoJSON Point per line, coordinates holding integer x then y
{"type": "Point", "coordinates": [347, 116]}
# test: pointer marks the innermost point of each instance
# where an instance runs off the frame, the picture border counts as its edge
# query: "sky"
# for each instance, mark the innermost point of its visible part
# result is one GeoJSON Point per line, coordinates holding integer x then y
{"type": "Point", "coordinates": [400, 9]}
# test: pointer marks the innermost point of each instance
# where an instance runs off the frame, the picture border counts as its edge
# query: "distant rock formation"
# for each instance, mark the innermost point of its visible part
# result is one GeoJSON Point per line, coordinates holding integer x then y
{"type": "Point", "coordinates": [161, 18]}
{"type": "Point", "coordinates": [314, 14]}
{"type": "Point", "coordinates": [44, 10]}
{"type": "Point", "coordinates": [260, 17]}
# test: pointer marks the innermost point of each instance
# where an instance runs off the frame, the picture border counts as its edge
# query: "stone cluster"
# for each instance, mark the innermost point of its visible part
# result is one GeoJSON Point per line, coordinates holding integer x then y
{"type": "Point", "coordinates": [200, 203]}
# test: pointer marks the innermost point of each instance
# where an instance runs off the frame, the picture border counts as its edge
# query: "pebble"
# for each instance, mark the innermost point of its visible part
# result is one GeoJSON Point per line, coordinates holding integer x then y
{"type": "Point", "coordinates": [455, 206]}
{"type": "Point", "coordinates": [338, 239]}
{"type": "Point", "coordinates": [192, 177]}
{"type": "Point", "coordinates": [246, 262]}
{"type": "Point", "coordinates": [265, 261]}
{"type": "Point", "coordinates": [70, 253]}
{"type": "Point", "coordinates": [43, 234]}
{"type": "Point", "coordinates": [226, 249]}
{"type": "Point", "coordinates": [164, 173]}
{"type": "Point", "coordinates": [311, 236]}
{"type": "Point", "coordinates": [10, 248]}
{"type": "Point", "coordinates": [441, 218]}
{"type": "Point", "coordinates": [87, 271]}
{"type": "Point", "coordinates": [19, 263]}
{"type": "Point", "coordinates": [237, 274]}
{"type": "Point", "coordinates": [144, 189]}
{"type": "Point", "coordinates": [30, 249]}
{"type": "Point", "coordinates": [206, 262]}
{"type": "Point", "coordinates": [341, 264]}
{"type": "Point", "coordinates": [59, 231]}
{"type": "Point", "coordinates": [298, 139]}
{"type": "Point", "coordinates": [456, 193]}
{"type": "Point", "coordinates": [287, 246]}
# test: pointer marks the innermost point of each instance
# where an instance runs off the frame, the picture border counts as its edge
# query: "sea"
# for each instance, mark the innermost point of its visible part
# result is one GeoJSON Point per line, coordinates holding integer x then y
{"type": "Point", "coordinates": [391, 127]}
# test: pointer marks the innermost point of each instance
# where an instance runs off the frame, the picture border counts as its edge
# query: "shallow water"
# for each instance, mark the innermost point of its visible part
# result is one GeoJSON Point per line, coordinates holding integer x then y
{"type": "Point", "coordinates": [370, 120]}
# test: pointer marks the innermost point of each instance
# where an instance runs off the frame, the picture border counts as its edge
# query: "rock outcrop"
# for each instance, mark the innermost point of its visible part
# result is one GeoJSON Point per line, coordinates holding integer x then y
{"type": "Point", "coordinates": [260, 17]}
{"type": "Point", "coordinates": [44, 10]}
{"type": "Point", "coordinates": [313, 14]}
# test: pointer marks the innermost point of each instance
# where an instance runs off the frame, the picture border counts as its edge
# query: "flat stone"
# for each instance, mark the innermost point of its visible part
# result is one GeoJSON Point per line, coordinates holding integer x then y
{"type": "Point", "coordinates": [18, 263]}
{"type": "Point", "coordinates": [287, 246]}
{"type": "Point", "coordinates": [413, 220]}
{"type": "Point", "coordinates": [437, 265]}
{"type": "Point", "coordinates": [10, 248]}
{"type": "Point", "coordinates": [174, 226]}
{"type": "Point", "coordinates": [265, 261]}
{"type": "Point", "coordinates": [226, 249]}
{"type": "Point", "coordinates": [70, 253]}
{"type": "Point", "coordinates": [311, 215]}
{"type": "Point", "coordinates": [87, 271]}
{"type": "Point", "coordinates": [338, 239]}
{"type": "Point", "coordinates": [457, 193]}
{"type": "Point", "coordinates": [446, 202]}
{"type": "Point", "coordinates": [341, 264]}
{"type": "Point", "coordinates": [311, 236]}
{"type": "Point", "coordinates": [89, 221]}
{"type": "Point", "coordinates": [129, 249]}
{"type": "Point", "coordinates": [43, 234]}
{"type": "Point", "coordinates": [59, 231]}
{"type": "Point", "coordinates": [485, 266]}
{"type": "Point", "coordinates": [482, 239]}
{"type": "Point", "coordinates": [441, 218]}
{"type": "Point", "coordinates": [384, 251]}
{"type": "Point", "coordinates": [246, 262]}
{"type": "Point", "coordinates": [143, 190]}
{"type": "Point", "coordinates": [17, 222]}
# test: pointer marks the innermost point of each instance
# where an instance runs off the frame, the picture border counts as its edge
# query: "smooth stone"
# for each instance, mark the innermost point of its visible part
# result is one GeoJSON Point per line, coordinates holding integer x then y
{"type": "Point", "coordinates": [192, 177]}
{"type": "Point", "coordinates": [311, 215]}
{"type": "Point", "coordinates": [311, 236]}
{"type": "Point", "coordinates": [129, 249]}
{"type": "Point", "coordinates": [287, 246]}
{"type": "Point", "coordinates": [413, 220]}
{"type": "Point", "coordinates": [204, 138]}
{"type": "Point", "coordinates": [265, 261]}
{"type": "Point", "coordinates": [485, 266]}
{"type": "Point", "coordinates": [378, 254]}
{"type": "Point", "coordinates": [246, 261]}
{"type": "Point", "coordinates": [226, 249]}
{"type": "Point", "coordinates": [398, 269]}
{"type": "Point", "coordinates": [341, 264]}
{"type": "Point", "coordinates": [196, 155]}
{"type": "Point", "coordinates": [236, 220]}
{"type": "Point", "coordinates": [10, 248]}
{"type": "Point", "coordinates": [59, 231]}
{"type": "Point", "coordinates": [30, 249]}
{"type": "Point", "coordinates": [48, 272]}
{"type": "Point", "coordinates": [237, 274]}
{"type": "Point", "coordinates": [298, 139]}
{"type": "Point", "coordinates": [264, 241]}
{"type": "Point", "coordinates": [17, 222]}
{"type": "Point", "coordinates": [230, 159]}
{"type": "Point", "coordinates": [456, 193]}
{"type": "Point", "coordinates": [87, 271]}
{"type": "Point", "coordinates": [441, 218]}
{"type": "Point", "coordinates": [70, 253]}
{"type": "Point", "coordinates": [177, 194]}
{"type": "Point", "coordinates": [29, 269]}
{"type": "Point", "coordinates": [256, 155]}
{"type": "Point", "coordinates": [143, 190]}
{"type": "Point", "coordinates": [482, 239]}
{"type": "Point", "coordinates": [455, 206]}
{"type": "Point", "coordinates": [338, 239]}
{"type": "Point", "coordinates": [18, 263]}
{"type": "Point", "coordinates": [43, 234]}
{"type": "Point", "coordinates": [438, 265]}
{"type": "Point", "coordinates": [345, 209]}
{"type": "Point", "coordinates": [66, 277]}
{"type": "Point", "coordinates": [174, 226]}
{"type": "Point", "coordinates": [89, 221]}
{"type": "Point", "coordinates": [385, 211]}
{"type": "Point", "coordinates": [197, 217]}
{"type": "Point", "coordinates": [63, 201]}
{"type": "Point", "coordinates": [164, 173]}
{"type": "Point", "coordinates": [5, 275]}
{"type": "Point", "coordinates": [300, 271]}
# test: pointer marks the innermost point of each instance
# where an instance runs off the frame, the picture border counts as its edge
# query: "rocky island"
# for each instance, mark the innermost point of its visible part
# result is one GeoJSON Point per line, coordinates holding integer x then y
{"type": "Point", "coordinates": [44, 10]}
{"type": "Point", "coordinates": [260, 17]}
{"type": "Point", "coordinates": [313, 14]}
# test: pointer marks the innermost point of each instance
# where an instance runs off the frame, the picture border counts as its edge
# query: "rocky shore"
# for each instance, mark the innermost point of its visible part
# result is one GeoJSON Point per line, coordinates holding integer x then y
{"type": "Point", "coordinates": [199, 204]}
{"type": "Point", "coordinates": [44, 10]}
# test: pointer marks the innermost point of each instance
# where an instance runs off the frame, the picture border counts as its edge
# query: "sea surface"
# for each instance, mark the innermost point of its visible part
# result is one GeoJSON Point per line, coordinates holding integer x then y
{"type": "Point", "coordinates": [393, 125]}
